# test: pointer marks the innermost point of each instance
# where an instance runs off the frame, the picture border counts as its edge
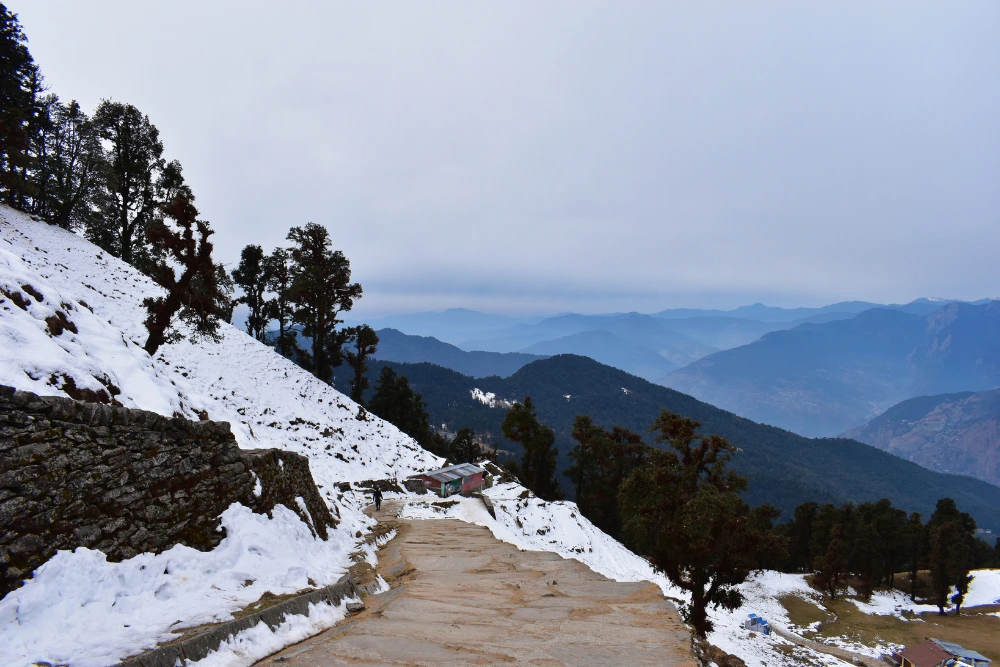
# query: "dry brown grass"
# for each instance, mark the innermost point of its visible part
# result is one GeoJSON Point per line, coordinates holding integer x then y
{"type": "Point", "coordinates": [975, 629]}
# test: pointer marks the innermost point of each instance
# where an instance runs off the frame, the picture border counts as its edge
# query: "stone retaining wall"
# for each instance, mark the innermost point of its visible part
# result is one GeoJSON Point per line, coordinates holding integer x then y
{"type": "Point", "coordinates": [200, 645]}
{"type": "Point", "coordinates": [127, 481]}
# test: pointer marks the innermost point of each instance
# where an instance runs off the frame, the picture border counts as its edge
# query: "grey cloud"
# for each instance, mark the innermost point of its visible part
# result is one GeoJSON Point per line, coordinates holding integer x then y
{"type": "Point", "coordinates": [566, 155]}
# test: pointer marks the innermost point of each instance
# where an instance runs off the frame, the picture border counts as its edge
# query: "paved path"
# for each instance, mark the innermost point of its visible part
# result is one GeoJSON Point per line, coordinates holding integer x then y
{"type": "Point", "coordinates": [462, 597]}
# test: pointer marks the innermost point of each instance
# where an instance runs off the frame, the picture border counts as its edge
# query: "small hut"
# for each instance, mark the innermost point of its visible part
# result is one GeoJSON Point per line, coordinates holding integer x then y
{"type": "Point", "coordinates": [454, 479]}
{"type": "Point", "coordinates": [937, 653]}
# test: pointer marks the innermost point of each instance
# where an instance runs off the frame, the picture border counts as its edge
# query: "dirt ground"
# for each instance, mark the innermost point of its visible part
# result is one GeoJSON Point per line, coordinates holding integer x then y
{"type": "Point", "coordinates": [461, 597]}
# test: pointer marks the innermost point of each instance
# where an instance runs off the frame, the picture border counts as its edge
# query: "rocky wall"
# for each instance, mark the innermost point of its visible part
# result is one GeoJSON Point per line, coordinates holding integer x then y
{"type": "Point", "coordinates": [127, 481]}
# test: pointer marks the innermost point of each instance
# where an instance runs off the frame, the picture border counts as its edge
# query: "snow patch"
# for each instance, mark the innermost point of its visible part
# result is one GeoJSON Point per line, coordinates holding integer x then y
{"type": "Point", "coordinates": [490, 399]}
{"type": "Point", "coordinates": [253, 644]}
{"type": "Point", "coordinates": [82, 610]}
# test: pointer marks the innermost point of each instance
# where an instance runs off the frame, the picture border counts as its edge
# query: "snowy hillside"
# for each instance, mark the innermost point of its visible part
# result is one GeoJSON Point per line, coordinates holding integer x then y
{"type": "Point", "coordinates": [269, 401]}
{"type": "Point", "coordinates": [71, 324]}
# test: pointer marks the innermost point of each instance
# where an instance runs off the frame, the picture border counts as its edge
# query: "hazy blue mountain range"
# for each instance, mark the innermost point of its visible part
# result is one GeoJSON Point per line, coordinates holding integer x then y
{"type": "Point", "coordinates": [784, 468]}
{"type": "Point", "coordinates": [648, 346]}
{"type": "Point", "coordinates": [824, 378]}
{"type": "Point", "coordinates": [607, 348]}
{"type": "Point", "coordinates": [958, 433]}
{"type": "Point", "coordinates": [636, 328]}
{"type": "Point", "coordinates": [396, 346]}
{"type": "Point", "coordinates": [451, 326]}
{"type": "Point", "coordinates": [729, 332]}
{"type": "Point", "coordinates": [762, 313]}
{"type": "Point", "coordinates": [636, 343]}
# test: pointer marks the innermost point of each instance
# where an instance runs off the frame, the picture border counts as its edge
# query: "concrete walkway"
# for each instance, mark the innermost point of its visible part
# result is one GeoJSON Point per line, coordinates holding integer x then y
{"type": "Point", "coordinates": [462, 597]}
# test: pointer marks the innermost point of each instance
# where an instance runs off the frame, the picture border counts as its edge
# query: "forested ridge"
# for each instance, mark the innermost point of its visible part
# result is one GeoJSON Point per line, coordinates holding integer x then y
{"type": "Point", "coordinates": [784, 469]}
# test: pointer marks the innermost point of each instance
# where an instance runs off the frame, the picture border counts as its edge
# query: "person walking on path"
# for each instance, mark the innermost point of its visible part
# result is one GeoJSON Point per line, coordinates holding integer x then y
{"type": "Point", "coordinates": [377, 496]}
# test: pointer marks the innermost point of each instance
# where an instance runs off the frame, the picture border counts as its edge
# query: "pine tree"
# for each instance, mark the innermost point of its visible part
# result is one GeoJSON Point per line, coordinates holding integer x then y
{"type": "Point", "coordinates": [538, 464]}
{"type": "Point", "coordinates": [891, 529]}
{"type": "Point", "coordinates": [38, 126]}
{"type": "Point", "coordinates": [224, 287]}
{"type": "Point", "coordinates": [801, 535]}
{"type": "Point", "coordinates": [866, 555]}
{"type": "Point", "coordinates": [194, 293]}
{"type": "Point", "coordinates": [464, 448]}
{"type": "Point", "coordinates": [395, 401]}
{"type": "Point", "coordinates": [19, 82]}
{"type": "Point", "coordinates": [602, 461]}
{"type": "Point", "coordinates": [832, 565]}
{"type": "Point", "coordinates": [916, 540]}
{"type": "Point", "coordinates": [683, 511]}
{"type": "Point", "coordinates": [321, 289]}
{"type": "Point", "coordinates": [278, 276]}
{"type": "Point", "coordinates": [126, 197]}
{"type": "Point", "coordinates": [950, 533]}
{"type": "Point", "coordinates": [69, 154]}
{"type": "Point", "coordinates": [364, 341]}
{"type": "Point", "coordinates": [250, 276]}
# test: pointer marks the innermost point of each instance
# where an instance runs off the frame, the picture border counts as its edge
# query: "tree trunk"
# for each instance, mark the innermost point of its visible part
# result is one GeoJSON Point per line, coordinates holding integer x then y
{"type": "Point", "coordinates": [159, 321]}
{"type": "Point", "coordinates": [698, 613]}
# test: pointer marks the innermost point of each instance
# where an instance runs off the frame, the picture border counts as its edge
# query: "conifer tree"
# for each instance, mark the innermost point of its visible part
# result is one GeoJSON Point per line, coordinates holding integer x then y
{"type": "Point", "coordinates": [321, 290]}
{"type": "Point", "coordinates": [251, 277]}
{"type": "Point", "coordinates": [19, 86]}
{"type": "Point", "coordinates": [68, 155]}
{"type": "Point", "coordinates": [395, 401]}
{"type": "Point", "coordinates": [538, 464]}
{"type": "Point", "coordinates": [950, 536]}
{"type": "Point", "coordinates": [916, 541]}
{"type": "Point", "coordinates": [278, 276]}
{"type": "Point", "coordinates": [463, 448]}
{"type": "Point", "coordinates": [602, 461]}
{"type": "Point", "coordinates": [364, 341]}
{"type": "Point", "coordinates": [800, 535]}
{"type": "Point", "coordinates": [224, 300]}
{"type": "Point", "coordinates": [867, 558]}
{"type": "Point", "coordinates": [126, 197]}
{"type": "Point", "coordinates": [683, 511]}
{"type": "Point", "coordinates": [194, 293]}
{"type": "Point", "coordinates": [832, 565]}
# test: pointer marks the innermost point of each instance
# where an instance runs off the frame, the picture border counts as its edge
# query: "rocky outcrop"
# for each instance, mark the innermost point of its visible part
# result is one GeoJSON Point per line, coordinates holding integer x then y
{"type": "Point", "coordinates": [125, 481]}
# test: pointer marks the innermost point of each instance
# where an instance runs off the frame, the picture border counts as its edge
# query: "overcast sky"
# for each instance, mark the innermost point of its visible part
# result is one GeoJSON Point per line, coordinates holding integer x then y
{"type": "Point", "coordinates": [556, 156]}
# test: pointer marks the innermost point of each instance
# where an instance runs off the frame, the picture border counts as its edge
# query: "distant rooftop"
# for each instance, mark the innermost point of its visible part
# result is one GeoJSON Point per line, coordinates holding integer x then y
{"type": "Point", "coordinates": [454, 472]}
{"type": "Point", "coordinates": [961, 652]}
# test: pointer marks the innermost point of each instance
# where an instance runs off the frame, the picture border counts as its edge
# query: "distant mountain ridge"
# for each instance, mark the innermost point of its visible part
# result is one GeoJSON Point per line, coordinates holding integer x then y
{"type": "Point", "coordinates": [396, 346]}
{"type": "Point", "coordinates": [822, 379]}
{"type": "Point", "coordinates": [603, 346]}
{"type": "Point", "coordinates": [762, 313]}
{"type": "Point", "coordinates": [633, 342]}
{"type": "Point", "coordinates": [785, 469]}
{"type": "Point", "coordinates": [956, 433]}
{"type": "Point", "coordinates": [450, 326]}
{"type": "Point", "coordinates": [651, 347]}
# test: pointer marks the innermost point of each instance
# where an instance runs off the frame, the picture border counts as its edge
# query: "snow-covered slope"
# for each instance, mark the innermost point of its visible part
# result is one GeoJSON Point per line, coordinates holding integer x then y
{"type": "Point", "coordinates": [269, 401]}
{"type": "Point", "coordinates": [71, 322]}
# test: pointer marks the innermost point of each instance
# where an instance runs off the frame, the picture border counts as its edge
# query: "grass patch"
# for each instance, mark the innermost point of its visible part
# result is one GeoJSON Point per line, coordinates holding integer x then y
{"type": "Point", "coordinates": [803, 613]}
{"type": "Point", "coordinates": [975, 629]}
